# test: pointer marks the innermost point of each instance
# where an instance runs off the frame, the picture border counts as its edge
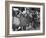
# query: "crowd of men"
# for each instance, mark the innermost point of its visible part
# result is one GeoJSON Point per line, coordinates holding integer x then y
{"type": "Point", "coordinates": [25, 18]}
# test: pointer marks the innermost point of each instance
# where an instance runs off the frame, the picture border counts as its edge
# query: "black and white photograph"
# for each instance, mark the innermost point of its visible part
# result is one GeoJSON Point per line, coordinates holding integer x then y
{"type": "Point", "coordinates": [25, 18]}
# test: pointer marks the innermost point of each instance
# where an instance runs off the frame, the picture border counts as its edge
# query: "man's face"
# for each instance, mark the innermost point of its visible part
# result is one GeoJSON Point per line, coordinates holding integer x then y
{"type": "Point", "coordinates": [27, 11]}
